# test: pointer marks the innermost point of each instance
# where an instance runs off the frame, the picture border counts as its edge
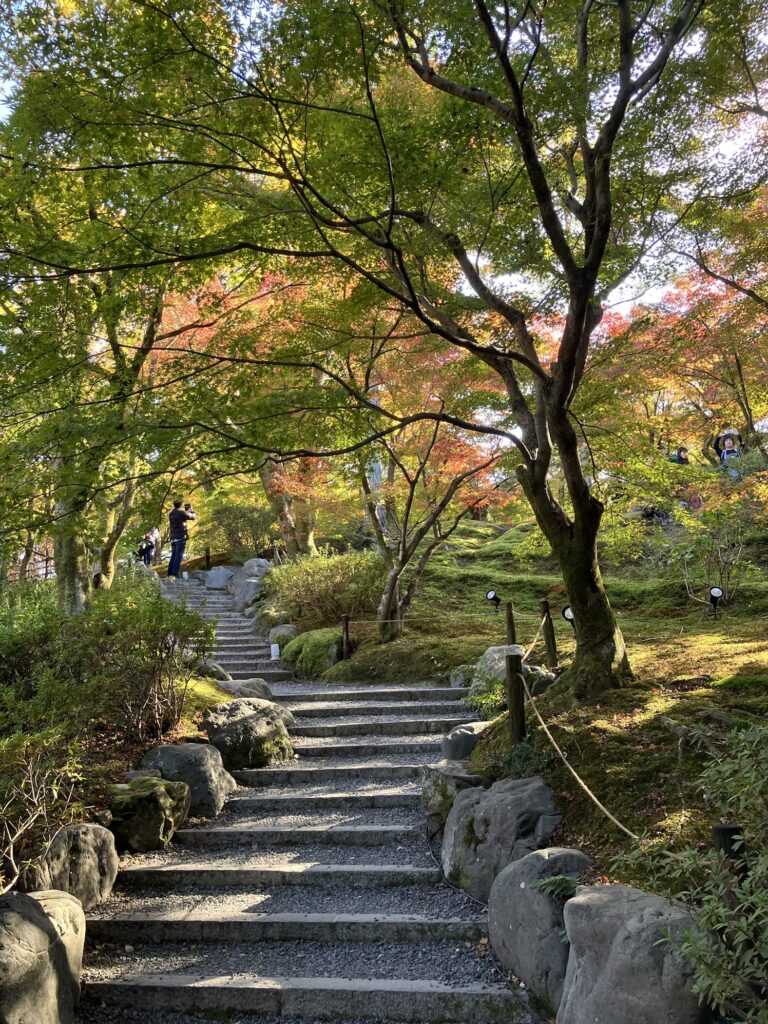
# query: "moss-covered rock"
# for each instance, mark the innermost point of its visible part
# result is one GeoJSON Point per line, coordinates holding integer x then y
{"type": "Point", "coordinates": [249, 732]}
{"type": "Point", "coordinates": [439, 785]}
{"type": "Point", "coordinates": [146, 812]}
{"type": "Point", "coordinates": [313, 653]}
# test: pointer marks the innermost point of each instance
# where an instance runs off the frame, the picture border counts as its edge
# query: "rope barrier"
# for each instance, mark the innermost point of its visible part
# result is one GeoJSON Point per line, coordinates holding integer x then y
{"type": "Point", "coordinates": [535, 640]}
{"type": "Point", "coordinates": [601, 806]}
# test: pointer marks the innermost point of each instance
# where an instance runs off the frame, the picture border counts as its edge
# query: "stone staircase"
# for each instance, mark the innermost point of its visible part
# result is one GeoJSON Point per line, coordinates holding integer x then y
{"type": "Point", "coordinates": [239, 650]}
{"type": "Point", "coordinates": [314, 896]}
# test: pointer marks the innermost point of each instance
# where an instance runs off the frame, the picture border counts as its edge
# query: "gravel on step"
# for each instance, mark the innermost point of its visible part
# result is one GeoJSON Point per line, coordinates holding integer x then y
{"type": "Point", "coordinates": [366, 738]}
{"type": "Point", "coordinates": [363, 787]}
{"type": "Point", "coordinates": [91, 1013]}
{"type": "Point", "coordinates": [450, 962]}
{"type": "Point", "coordinates": [235, 815]}
{"type": "Point", "coordinates": [436, 901]}
{"type": "Point", "coordinates": [413, 714]}
{"type": "Point", "coordinates": [305, 854]}
{"type": "Point", "coordinates": [411, 757]}
{"type": "Point", "coordinates": [314, 686]}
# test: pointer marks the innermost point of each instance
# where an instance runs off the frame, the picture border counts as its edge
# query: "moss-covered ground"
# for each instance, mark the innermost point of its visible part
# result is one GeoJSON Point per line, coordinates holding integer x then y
{"type": "Point", "coordinates": [690, 668]}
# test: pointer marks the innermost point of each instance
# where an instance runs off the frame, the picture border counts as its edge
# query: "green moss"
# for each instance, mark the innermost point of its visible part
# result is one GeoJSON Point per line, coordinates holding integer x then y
{"type": "Point", "coordinates": [311, 654]}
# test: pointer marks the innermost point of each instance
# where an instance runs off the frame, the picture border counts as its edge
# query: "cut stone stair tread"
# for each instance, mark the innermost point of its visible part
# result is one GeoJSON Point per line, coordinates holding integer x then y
{"type": "Point", "coordinates": [383, 726]}
{"type": "Point", "coordinates": [365, 746]}
{"type": "Point", "coordinates": [417, 1002]}
{"type": "Point", "coordinates": [434, 901]}
{"type": "Point", "coordinates": [359, 709]}
{"type": "Point", "coordinates": [349, 800]}
{"type": "Point", "coordinates": [253, 927]}
{"type": "Point", "coordinates": [370, 770]}
{"type": "Point", "coordinates": [343, 834]}
{"type": "Point", "coordinates": [207, 873]}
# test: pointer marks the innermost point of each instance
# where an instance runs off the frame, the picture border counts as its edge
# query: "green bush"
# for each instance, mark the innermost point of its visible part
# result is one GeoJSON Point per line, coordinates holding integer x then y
{"type": "Point", "coordinates": [728, 943]}
{"type": "Point", "coordinates": [323, 589]}
{"type": "Point", "coordinates": [310, 654]}
{"type": "Point", "coordinates": [125, 661]}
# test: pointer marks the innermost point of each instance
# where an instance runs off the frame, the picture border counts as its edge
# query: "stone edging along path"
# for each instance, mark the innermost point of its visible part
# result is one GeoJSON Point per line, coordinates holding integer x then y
{"type": "Point", "coordinates": [314, 895]}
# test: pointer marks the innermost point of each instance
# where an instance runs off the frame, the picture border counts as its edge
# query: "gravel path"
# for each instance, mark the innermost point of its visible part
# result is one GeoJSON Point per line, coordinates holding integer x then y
{"type": "Point", "coordinates": [363, 739]}
{"type": "Point", "coordinates": [93, 1014]}
{"type": "Point", "coordinates": [455, 962]}
{"type": "Point", "coordinates": [363, 786]}
{"type": "Point", "coordinates": [305, 854]}
{"type": "Point", "coordinates": [412, 757]}
{"type": "Point", "coordinates": [434, 902]}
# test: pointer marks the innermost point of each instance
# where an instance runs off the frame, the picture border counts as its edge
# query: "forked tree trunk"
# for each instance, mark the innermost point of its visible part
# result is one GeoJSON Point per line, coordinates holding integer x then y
{"type": "Point", "coordinates": [390, 612]}
{"type": "Point", "coordinates": [26, 558]}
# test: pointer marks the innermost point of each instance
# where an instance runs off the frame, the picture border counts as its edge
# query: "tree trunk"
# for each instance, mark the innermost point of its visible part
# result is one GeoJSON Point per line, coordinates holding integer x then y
{"type": "Point", "coordinates": [26, 558]}
{"type": "Point", "coordinates": [73, 570]}
{"type": "Point", "coordinates": [390, 613]}
{"type": "Point", "coordinates": [600, 662]}
{"type": "Point", "coordinates": [295, 516]}
{"type": "Point", "coordinates": [116, 525]}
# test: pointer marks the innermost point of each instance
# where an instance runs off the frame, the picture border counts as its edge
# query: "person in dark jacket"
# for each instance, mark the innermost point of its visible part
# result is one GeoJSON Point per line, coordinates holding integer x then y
{"type": "Point", "coordinates": [177, 520]}
{"type": "Point", "coordinates": [146, 549]}
{"type": "Point", "coordinates": [680, 458]}
{"type": "Point", "coordinates": [728, 451]}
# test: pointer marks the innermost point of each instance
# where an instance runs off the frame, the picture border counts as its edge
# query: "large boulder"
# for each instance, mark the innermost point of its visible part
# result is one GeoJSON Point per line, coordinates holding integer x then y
{"type": "Point", "coordinates": [81, 860]}
{"type": "Point", "coordinates": [488, 829]}
{"type": "Point", "coordinates": [462, 740]}
{"type": "Point", "coordinates": [461, 676]}
{"type": "Point", "coordinates": [439, 785]}
{"type": "Point", "coordinates": [525, 925]}
{"type": "Point", "coordinates": [249, 732]}
{"type": "Point", "coordinates": [201, 767]}
{"type": "Point", "coordinates": [146, 812]}
{"type": "Point", "coordinates": [247, 687]}
{"type": "Point", "coordinates": [256, 567]}
{"type": "Point", "coordinates": [210, 669]}
{"type": "Point", "coordinates": [218, 578]}
{"type": "Point", "coordinates": [491, 671]}
{"type": "Point", "coordinates": [283, 634]}
{"type": "Point", "coordinates": [41, 950]}
{"type": "Point", "coordinates": [624, 965]}
{"type": "Point", "coordinates": [246, 590]}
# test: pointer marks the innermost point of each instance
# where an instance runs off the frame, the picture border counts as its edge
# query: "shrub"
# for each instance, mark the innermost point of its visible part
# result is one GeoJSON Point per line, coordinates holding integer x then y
{"type": "Point", "coordinates": [728, 944]}
{"type": "Point", "coordinates": [38, 776]}
{"type": "Point", "coordinates": [323, 589]}
{"type": "Point", "coordinates": [126, 661]}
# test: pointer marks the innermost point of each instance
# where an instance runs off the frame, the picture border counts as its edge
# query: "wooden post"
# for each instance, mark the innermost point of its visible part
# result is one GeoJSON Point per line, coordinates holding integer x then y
{"type": "Point", "coordinates": [511, 633]}
{"type": "Point", "coordinates": [725, 838]}
{"type": "Point", "coordinates": [515, 697]}
{"type": "Point", "coordinates": [550, 641]}
{"type": "Point", "coordinates": [346, 647]}
{"type": "Point", "coordinates": [207, 556]}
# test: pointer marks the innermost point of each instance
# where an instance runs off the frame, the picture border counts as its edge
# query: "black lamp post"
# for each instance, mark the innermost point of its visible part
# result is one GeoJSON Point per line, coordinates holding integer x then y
{"type": "Point", "coordinates": [495, 600]}
{"type": "Point", "coordinates": [567, 614]}
{"type": "Point", "coordinates": [715, 593]}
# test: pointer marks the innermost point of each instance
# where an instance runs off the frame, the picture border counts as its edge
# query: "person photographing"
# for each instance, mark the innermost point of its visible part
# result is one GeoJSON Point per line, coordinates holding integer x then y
{"type": "Point", "coordinates": [178, 518]}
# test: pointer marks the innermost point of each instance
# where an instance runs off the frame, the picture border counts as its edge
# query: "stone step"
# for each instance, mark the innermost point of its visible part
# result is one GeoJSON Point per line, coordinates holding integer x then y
{"type": "Point", "coordinates": [202, 874]}
{"type": "Point", "coordinates": [417, 1002]}
{"type": "Point", "coordinates": [413, 726]}
{"type": "Point", "coordinates": [337, 835]}
{"type": "Point", "coordinates": [377, 694]}
{"type": "Point", "coordinates": [247, 664]}
{"type": "Point", "coordinates": [299, 776]}
{"type": "Point", "coordinates": [267, 674]}
{"type": "Point", "coordinates": [246, 927]}
{"type": "Point", "coordinates": [374, 710]}
{"type": "Point", "coordinates": [347, 801]}
{"type": "Point", "coordinates": [367, 749]}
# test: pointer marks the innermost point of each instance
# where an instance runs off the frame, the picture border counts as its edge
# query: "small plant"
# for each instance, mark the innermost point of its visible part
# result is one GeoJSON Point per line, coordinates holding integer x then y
{"type": "Point", "coordinates": [728, 939]}
{"type": "Point", "coordinates": [522, 762]}
{"type": "Point", "coordinates": [560, 888]}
